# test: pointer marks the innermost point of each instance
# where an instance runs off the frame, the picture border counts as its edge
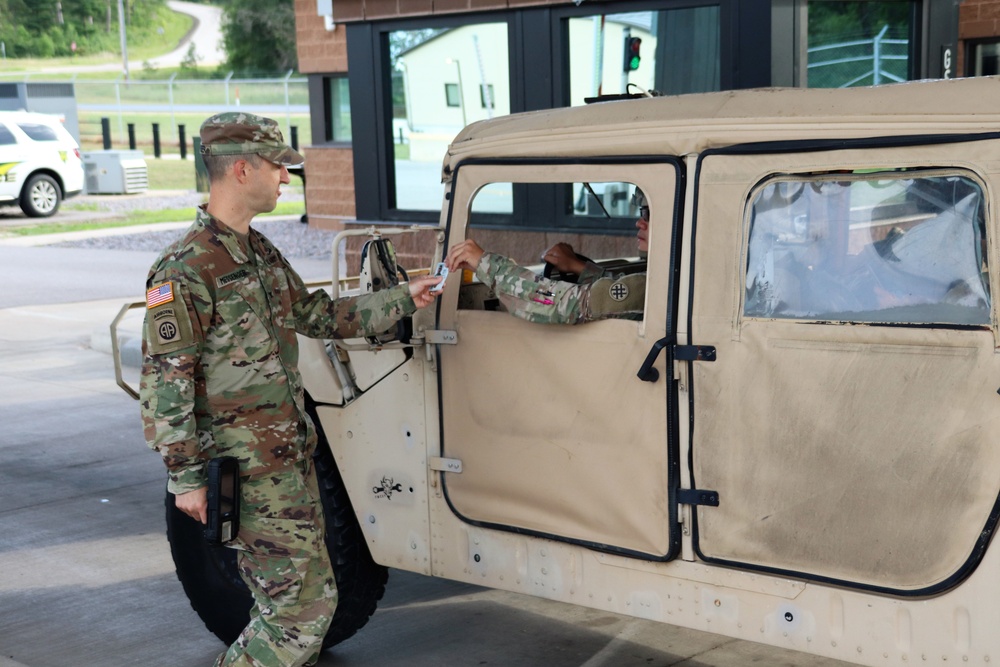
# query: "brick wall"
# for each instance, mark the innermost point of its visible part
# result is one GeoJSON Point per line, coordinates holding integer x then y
{"type": "Point", "coordinates": [320, 50]}
{"type": "Point", "coordinates": [977, 19]}
{"type": "Point", "coordinates": [360, 10]}
{"type": "Point", "coordinates": [329, 186]}
{"type": "Point", "coordinates": [330, 190]}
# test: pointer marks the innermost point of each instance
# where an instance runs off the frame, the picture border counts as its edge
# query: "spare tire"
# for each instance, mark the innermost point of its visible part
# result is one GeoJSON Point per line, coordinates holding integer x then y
{"type": "Point", "coordinates": [217, 593]}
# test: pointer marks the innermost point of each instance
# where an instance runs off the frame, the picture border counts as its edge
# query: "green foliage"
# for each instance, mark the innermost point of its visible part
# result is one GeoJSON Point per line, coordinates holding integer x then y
{"type": "Point", "coordinates": [844, 21]}
{"type": "Point", "coordinates": [32, 28]}
{"type": "Point", "coordinates": [259, 35]}
{"type": "Point", "coordinates": [190, 61]}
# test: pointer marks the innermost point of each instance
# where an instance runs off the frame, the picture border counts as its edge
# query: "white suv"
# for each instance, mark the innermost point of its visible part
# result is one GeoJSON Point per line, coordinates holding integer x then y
{"type": "Point", "coordinates": [40, 163]}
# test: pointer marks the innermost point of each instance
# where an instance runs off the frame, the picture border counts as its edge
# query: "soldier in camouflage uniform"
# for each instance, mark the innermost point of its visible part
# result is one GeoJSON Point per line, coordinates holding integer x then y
{"type": "Point", "coordinates": [595, 296]}
{"type": "Point", "coordinates": [220, 378]}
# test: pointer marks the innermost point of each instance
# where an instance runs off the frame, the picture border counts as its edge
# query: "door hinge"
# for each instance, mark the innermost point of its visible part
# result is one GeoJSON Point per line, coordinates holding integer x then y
{"type": "Point", "coordinates": [443, 464]}
{"type": "Point", "coordinates": [694, 352]}
{"type": "Point", "coordinates": [441, 337]}
{"type": "Point", "coordinates": [698, 497]}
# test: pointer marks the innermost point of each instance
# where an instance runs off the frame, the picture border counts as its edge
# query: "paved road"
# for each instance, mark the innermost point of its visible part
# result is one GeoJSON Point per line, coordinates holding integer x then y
{"type": "Point", "coordinates": [205, 34]}
{"type": "Point", "coordinates": [85, 573]}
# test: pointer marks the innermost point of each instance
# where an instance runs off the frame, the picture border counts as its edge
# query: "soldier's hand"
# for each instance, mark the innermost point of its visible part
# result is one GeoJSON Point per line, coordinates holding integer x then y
{"type": "Point", "coordinates": [465, 255]}
{"type": "Point", "coordinates": [420, 290]}
{"type": "Point", "coordinates": [194, 503]}
{"type": "Point", "coordinates": [563, 257]}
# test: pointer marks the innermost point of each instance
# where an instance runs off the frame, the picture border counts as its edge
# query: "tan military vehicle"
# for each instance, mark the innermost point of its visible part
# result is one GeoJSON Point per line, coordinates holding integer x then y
{"type": "Point", "coordinates": [796, 445]}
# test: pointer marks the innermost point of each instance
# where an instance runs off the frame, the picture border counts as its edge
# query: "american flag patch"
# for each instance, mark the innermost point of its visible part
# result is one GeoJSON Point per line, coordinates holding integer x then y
{"type": "Point", "coordinates": [160, 294]}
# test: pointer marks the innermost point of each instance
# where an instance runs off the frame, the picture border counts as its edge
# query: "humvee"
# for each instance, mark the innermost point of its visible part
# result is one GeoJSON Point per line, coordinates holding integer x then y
{"type": "Point", "coordinates": [794, 446]}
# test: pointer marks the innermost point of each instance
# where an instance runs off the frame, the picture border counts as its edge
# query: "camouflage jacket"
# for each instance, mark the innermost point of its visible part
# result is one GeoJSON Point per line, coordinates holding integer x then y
{"type": "Point", "coordinates": [596, 296]}
{"type": "Point", "coordinates": [220, 370]}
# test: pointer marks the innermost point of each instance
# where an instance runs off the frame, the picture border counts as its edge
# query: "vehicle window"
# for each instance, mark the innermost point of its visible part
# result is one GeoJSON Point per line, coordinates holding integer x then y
{"type": "Point", "coordinates": [6, 136]}
{"type": "Point", "coordinates": [893, 247]}
{"type": "Point", "coordinates": [39, 132]}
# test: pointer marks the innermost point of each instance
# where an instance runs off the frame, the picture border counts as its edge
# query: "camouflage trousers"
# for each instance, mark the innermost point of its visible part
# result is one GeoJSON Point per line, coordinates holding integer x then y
{"type": "Point", "coordinates": [284, 561]}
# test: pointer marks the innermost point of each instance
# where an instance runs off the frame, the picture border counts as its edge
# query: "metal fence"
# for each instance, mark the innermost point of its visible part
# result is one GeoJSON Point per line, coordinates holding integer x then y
{"type": "Point", "coordinates": [172, 103]}
{"type": "Point", "coordinates": [866, 62]}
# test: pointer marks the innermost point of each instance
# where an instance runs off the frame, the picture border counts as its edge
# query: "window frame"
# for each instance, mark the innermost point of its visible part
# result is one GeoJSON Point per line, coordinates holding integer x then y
{"type": "Point", "coordinates": [321, 124]}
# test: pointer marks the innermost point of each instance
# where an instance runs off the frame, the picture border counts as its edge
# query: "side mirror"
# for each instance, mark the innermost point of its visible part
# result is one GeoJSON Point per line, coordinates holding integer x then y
{"type": "Point", "coordinates": [379, 271]}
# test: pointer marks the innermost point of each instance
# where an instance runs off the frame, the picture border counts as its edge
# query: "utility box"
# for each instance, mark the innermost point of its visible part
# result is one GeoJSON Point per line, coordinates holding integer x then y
{"type": "Point", "coordinates": [115, 172]}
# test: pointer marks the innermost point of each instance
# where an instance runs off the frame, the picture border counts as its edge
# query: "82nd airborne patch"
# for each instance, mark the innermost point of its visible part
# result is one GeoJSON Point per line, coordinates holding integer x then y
{"type": "Point", "coordinates": [168, 325]}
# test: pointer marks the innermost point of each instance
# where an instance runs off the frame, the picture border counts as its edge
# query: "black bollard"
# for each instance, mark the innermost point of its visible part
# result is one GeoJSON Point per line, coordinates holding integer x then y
{"type": "Point", "coordinates": [156, 140]}
{"type": "Point", "coordinates": [131, 136]}
{"type": "Point", "coordinates": [106, 133]}
{"type": "Point", "coordinates": [183, 141]}
{"type": "Point", "coordinates": [295, 136]}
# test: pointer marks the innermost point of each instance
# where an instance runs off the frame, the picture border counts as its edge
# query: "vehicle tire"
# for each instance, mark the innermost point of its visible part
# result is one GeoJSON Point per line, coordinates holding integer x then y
{"type": "Point", "coordinates": [41, 196]}
{"type": "Point", "coordinates": [217, 593]}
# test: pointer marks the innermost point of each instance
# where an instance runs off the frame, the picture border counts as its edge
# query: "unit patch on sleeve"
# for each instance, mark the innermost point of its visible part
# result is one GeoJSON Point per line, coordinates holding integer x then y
{"type": "Point", "coordinates": [168, 324]}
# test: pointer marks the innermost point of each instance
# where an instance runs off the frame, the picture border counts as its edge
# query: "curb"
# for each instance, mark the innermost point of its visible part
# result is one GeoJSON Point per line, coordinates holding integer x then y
{"type": "Point", "coordinates": [49, 239]}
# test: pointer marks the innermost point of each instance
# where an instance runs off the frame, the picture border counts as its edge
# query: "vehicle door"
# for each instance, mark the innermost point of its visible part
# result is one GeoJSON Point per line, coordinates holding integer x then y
{"type": "Point", "coordinates": [848, 424]}
{"type": "Point", "coordinates": [11, 155]}
{"type": "Point", "coordinates": [553, 432]}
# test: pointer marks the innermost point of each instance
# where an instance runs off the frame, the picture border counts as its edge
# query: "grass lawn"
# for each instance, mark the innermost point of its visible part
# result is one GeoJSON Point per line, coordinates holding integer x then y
{"type": "Point", "coordinates": [135, 218]}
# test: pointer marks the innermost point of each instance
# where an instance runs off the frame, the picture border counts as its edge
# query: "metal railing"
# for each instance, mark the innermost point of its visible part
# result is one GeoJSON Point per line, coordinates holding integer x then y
{"type": "Point", "coordinates": [860, 62]}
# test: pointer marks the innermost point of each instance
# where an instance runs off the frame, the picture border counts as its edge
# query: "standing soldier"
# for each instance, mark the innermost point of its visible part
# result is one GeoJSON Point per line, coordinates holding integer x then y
{"type": "Point", "coordinates": [220, 378]}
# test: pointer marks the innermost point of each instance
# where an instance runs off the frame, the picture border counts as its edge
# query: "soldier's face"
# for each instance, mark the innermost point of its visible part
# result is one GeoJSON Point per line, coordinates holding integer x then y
{"type": "Point", "coordinates": [266, 185]}
{"type": "Point", "coordinates": [642, 225]}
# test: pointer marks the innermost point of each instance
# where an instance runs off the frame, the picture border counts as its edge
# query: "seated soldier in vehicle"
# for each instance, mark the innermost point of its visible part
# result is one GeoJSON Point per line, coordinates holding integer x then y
{"type": "Point", "coordinates": [596, 296]}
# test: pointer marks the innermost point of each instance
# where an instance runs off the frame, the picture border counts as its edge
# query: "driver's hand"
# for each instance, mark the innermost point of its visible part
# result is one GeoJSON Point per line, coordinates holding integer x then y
{"type": "Point", "coordinates": [465, 255]}
{"type": "Point", "coordinates": [563, 257]}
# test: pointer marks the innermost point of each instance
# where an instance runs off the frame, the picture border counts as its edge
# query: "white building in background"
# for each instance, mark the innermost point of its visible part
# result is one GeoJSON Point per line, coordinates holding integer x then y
{"type": "Point", "coordinates": [461, 75]}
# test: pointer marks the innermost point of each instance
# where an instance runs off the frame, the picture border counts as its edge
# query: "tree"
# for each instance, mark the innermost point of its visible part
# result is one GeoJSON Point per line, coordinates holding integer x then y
{"type": "Point", "coordinates": [259, 35]}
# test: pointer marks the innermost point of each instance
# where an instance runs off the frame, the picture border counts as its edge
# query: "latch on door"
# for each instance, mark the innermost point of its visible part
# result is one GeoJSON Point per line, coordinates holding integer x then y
{"type": "Point", "coordinates": [677, 352]}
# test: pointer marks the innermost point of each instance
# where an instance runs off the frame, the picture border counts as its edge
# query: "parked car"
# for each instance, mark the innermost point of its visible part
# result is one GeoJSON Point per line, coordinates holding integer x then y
{"type": "Point", "coordinates": [795, 444]}
{"type": "Point", "coordinates": [40, 163]}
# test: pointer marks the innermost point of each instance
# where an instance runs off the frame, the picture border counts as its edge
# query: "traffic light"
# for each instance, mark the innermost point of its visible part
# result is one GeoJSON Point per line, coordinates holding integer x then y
{"type": "Point", "coordinates": [631, 61]}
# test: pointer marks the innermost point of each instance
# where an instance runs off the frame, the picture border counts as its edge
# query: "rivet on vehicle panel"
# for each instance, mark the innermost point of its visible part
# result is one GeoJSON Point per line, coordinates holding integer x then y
{"type": "Point", "coordinates": [544, 571]}
{"type": "Point", "coordinates": [371, 518]}
{"type": "Point", "coordinates": [413, 545]}
{"type": "Point", "coordinates": [477, 558]}
{"type": "Point", "coordinates": [405, 377]}
{"type": "Point", "coordinates": [718, 603]}
{"type": "Point", "coordinates": [350, 434]}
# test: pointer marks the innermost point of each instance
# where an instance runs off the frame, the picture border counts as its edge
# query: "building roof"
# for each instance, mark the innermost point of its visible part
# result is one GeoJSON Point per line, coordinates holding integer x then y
{"type": "Point", "coordinates": [686, 124]}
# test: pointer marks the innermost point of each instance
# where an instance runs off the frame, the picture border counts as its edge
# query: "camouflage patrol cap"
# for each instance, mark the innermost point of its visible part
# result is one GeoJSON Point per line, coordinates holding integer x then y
{"type": "Point", "coordinates": [239, 133]}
